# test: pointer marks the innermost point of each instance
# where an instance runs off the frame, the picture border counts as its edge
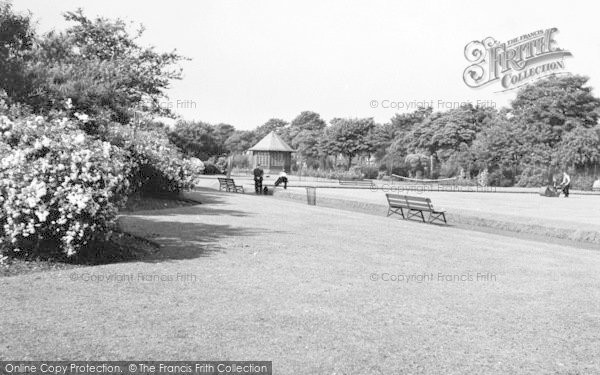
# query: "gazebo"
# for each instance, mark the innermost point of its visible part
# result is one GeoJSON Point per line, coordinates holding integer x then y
{"type": "Point", "coordinates": [272, 153]}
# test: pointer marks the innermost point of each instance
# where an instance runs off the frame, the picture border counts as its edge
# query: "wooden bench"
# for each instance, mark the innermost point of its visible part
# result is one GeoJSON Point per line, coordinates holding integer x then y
{"type": "Point", "coordinates": [356, 182]}
{"type": "Point", "coordinates": [414, 206]}
{"type": "Point", "coordinates": [228, 184]}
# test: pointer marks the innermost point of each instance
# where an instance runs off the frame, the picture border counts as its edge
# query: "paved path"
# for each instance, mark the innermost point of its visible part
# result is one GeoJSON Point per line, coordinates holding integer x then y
{"type": "Point", "coordinates": [309, 288]}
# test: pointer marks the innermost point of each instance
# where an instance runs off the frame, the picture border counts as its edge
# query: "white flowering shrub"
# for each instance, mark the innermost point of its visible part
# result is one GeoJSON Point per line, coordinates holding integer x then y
{"type": "Point", "coordinates": [194, 168]}
{"type": "Point", "coordinates": [483, 178]}
{"type": "Point", "coordinates": [158, 166]}
{"type": "Point", "coordinates": [59, 188]}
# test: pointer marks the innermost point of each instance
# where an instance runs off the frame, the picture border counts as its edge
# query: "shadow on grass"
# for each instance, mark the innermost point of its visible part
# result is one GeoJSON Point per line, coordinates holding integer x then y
{"type": "Point", "coordinates": [181, 234]}
{"type": "Point", "coordinates": [190, 210]}
{"type": "Point", "coordinates": [207, 196]}
{"type": "Point", "coordinates": [194, 240]}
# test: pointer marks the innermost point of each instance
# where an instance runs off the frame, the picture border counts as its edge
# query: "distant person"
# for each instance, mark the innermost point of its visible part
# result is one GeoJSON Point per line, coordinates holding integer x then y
{"type": "Point", "coordinates": [555, 188]}
{"type": "Point", "coordinates": [282, 179]}
{"type": "Point", "coordinates": [258, 179]}
{"type": "Point", "coordinates": [566, 184]}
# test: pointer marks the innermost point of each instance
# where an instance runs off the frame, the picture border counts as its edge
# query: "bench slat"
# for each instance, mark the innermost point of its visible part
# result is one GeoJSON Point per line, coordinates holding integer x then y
{"type": "Point", "coordinates": [356, 182]}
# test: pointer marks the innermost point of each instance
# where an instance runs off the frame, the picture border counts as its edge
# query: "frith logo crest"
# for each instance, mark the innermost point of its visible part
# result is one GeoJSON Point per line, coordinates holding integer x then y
{"type": "Point", "coordinates": [514, 63]}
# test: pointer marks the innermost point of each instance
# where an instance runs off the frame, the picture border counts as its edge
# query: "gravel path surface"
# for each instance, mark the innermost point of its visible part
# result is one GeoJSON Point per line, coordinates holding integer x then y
{"type": "Point", "coordinates": [317, 291]}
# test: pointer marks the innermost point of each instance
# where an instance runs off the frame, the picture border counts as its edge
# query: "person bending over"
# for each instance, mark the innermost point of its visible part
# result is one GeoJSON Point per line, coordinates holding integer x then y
{"type": "Point", "coordinates": [282, 179]}
{"type": "Point", "coordinates": [566, 184]}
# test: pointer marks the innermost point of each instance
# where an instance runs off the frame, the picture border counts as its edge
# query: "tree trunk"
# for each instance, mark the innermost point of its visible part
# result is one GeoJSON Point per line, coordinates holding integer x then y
{"type": "Point", "coordinates": [349, 162]}
{"type": "Point", "coordinates": [430, 166]}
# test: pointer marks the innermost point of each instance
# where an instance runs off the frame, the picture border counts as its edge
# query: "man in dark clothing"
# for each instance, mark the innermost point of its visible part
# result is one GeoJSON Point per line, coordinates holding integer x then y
{"type": "Point", "coordinates": [258, 178]}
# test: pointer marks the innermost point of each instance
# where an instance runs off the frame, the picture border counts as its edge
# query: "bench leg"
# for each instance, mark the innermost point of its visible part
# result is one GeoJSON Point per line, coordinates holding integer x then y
{"type": "Point", "coordinates": [411, 213]}
{"type": "Point", "coordinates": [437, 216]}
{"type": "Point", "coordinates": [391, 212]}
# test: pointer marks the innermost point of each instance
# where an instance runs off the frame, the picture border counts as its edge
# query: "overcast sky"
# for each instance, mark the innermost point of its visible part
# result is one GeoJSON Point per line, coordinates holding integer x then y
{"type": "Point", "coordinates": [253, 60]}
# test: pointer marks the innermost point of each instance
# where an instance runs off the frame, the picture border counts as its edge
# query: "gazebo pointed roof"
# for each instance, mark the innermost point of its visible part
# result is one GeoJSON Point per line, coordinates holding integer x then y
{"type": "Point", "coordinates": [272, 142]}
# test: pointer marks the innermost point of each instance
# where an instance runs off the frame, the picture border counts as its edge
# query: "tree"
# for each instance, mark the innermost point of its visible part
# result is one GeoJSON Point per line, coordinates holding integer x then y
{"type": "Point", "coordinates": [392, 139]}
{"type": "Point", "coordinates": [349, 137]}
{"type": "Point", "coordinates": [403, 123]}
{"type": "Point", "coordinates": [308, 120]}
{"type": "Point", "coordinates": [304, 134]}
{"type": "Point", "coordinates": [499, 149]}
{"type": "Point", "coordinates": [274, 124]}
{"type": "Point", "coordinates": [556, 105]}
{"type": "Point", "coordinates": [558, 117]}
{"type": "Point", "coordinates": [99, 65]}
{"type": "Point", "coordinates": [580, 147]}
{"type": "Point", "coordinates": [552, 107]}
{"type": "Point", "coordinates": [240, 141]}
{"type": "Point", "coordinates": [196, 139]}
{"type": "Point", "coordinates": [16, 43]}
{"type": "Point", "coordinates": [222, 132]}
{"type": "Point", "coordinates": [445, 131]}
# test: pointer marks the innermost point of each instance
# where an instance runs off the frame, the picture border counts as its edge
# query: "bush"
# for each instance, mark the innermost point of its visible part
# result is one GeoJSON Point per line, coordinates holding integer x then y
{"type": "Point", "coordinates": [59, 188]}
{"type": "Point", "coordinates": [352, 174]}
{"type": "Point", "coordinates": [194, 166]}
{"type": "Point", "coordinates": [482, 178]}
{"type": "Point", "coordinates": [449, 169]}
{"type": "Point", "coordinates": [533, 177]}
{"type": "Point", "coordinates": [369, 171]}
{"type": "Point", "coordinates": [220, 162]}
{"type": "Point", "coordinates": [417, 164]}
{"type": "Point", "coordinates": [400, 170]}
{"type": "Point", "coordinates": [501, 178]}
{"type": "Point", "coordinates": [157, 165]}
{"type": "Point", "coordinates": [581, 182]}
{"type": "Point", "coordinates": [210, 168]}
{"type": "Point", "coordinates": [240, 161]}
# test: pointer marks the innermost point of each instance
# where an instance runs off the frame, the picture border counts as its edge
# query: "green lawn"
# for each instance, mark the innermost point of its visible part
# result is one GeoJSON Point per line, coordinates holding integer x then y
{"type": "Point", "coordinates": [257, 278]}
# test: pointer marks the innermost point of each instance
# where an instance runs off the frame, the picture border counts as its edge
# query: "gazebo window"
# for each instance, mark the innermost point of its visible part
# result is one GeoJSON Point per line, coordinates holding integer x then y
{"type": "Point", "coordinates": [277, 158]}
{"type": "Point", "coordinates": [262, 158]}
